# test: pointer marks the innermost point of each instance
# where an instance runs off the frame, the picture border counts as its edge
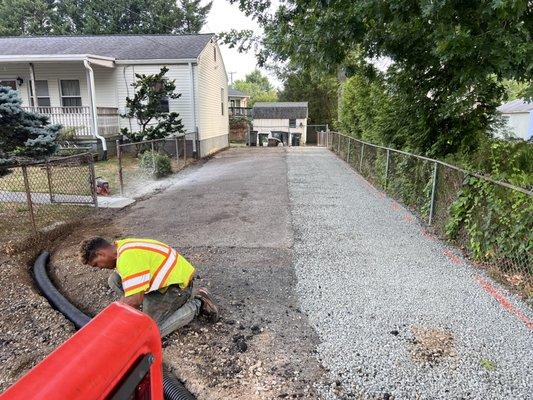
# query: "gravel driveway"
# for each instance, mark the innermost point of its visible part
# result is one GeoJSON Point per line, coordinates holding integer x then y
{"type": "Point", "coordinates": [399, 314]}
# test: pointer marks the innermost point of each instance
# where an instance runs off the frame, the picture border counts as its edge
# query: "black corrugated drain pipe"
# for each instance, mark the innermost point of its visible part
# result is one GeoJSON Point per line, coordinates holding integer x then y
{"type": "Point", "coordinates": [173, 389]}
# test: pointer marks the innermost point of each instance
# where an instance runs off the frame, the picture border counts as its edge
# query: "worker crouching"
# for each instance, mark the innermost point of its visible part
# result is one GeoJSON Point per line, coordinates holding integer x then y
{"type": "Point", "coordinates": [151, 275]}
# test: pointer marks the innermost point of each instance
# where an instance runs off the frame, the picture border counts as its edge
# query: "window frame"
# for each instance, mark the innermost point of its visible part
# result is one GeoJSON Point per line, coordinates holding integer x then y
{"type": "Point", "coordinates": [292, 125]}
{"type": "Point", "coordinates": [222, 93]}
{"type": "Point", "coordinates": [61, 96]}
{"type": "Point", "coordinates": [6, 78]}
{"type": "Point", "coordinates": [30, 88]}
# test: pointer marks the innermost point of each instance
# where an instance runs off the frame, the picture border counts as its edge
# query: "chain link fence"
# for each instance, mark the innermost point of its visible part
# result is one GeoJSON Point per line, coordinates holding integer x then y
{"type": "Point", "coordinates": [36, 197]}
{"type": "Point", "coordinates": [140, 163]}
{"type": "Point", "coordinates": [491, 221]}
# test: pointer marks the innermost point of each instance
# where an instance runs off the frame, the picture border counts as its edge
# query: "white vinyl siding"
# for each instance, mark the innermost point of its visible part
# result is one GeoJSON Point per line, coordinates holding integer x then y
{"type": "Point", "coordinates": [268, 125]}
{"type": "Point", "coordinates": [212, 81]}
{"type": "Point", "coordinates": [125, 76]}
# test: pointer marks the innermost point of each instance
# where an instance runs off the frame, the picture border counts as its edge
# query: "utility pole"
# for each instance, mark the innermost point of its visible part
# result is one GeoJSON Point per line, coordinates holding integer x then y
{"type": "Point", "coordinates": [231, 77]}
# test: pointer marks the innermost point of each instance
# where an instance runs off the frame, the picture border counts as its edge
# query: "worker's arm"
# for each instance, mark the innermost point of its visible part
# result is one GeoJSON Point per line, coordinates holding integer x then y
{"type": "Point", "coordinates": [135, 300]}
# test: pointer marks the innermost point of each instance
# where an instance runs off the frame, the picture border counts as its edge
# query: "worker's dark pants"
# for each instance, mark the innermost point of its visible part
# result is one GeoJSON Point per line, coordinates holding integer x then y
{"type": "Point", "coordinates": [171, 310]}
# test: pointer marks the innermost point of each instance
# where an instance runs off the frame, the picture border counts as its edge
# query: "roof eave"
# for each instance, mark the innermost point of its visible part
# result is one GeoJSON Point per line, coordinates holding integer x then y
{"type": "Point", "coordinates": [52, 57]}
{"type": "Point", "coordinates": [159, 61]}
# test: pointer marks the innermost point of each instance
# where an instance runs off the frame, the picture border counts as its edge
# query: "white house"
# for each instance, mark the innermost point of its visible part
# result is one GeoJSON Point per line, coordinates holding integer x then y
{"type": "Point", "coordinates": [284, 120]}
{"type": "Point", "coordinates": [518, 116]}
{"type": "Point", "coordinates": [82, 82]}
{"type": "Point", "coordinates": [238, 103]}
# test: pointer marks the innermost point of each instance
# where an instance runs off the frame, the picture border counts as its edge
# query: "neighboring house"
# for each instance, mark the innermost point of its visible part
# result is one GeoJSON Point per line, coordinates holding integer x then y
{"type": "Point", "coordinates": [518, 116]}
{"type": "Point", "coordinates": [284, 120]}
{"type": "Point", "coordinates": [82, 82]}
{"type": "Point", "coordinates": [238, 103]}
{"type": "Point", "coordinates": [237, 98]}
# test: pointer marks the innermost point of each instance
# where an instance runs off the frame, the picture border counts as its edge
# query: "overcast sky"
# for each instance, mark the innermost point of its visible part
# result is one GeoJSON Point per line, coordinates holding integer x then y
{"type": "Point", "coordinates": [223, 17]}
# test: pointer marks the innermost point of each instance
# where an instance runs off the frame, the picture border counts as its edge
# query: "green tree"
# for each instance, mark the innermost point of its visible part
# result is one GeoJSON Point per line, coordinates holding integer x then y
{"type": "Point", "coordinates": [147, 106]}
{"type": "Point", "coordinates": [449, 58]}
{"type": "Point", "coordinates": [319, 89]}
{"type": "Point", "coordinates": [194, 15]}
{"type": "Point", "coordinates": [23, 134]}
{"type": "Point", "coordinates": [257, 86]}
{"type": "Point", "coordinates": [26, 17]}
{"type": "Point", "coordinates": [95, 17]}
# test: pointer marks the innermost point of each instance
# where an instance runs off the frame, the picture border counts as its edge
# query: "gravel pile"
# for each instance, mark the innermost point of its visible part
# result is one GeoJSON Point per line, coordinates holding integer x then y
{"type": "Point", "coordinates": [397, 314]}
{"type": "Point", "coordinates": [29, 328]}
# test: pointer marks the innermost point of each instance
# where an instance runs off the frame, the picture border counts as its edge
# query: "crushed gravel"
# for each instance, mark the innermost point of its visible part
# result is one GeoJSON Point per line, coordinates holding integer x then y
{"type": "Point", "coordinates": [399, 314]}
{"type": "Point", "coordinates": [30, 329]}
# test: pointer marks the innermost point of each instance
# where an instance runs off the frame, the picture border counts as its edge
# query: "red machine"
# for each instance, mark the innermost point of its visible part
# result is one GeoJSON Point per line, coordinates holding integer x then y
{"type": "Point", "coordinates": [115, 356]}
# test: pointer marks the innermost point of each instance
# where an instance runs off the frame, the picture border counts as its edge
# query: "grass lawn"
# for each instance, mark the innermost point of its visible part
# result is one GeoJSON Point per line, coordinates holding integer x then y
{"type": "Point", "coordinates": [16, 221]}
{"type": "Point", "coordinates": [67, 179]}
{"type": "Point", "coordinates": [75, 179]}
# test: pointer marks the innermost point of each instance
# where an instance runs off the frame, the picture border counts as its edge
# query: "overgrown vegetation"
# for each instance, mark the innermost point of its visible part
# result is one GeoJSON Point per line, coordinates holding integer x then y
{"type": "Point", "coordinates": [156, 164]}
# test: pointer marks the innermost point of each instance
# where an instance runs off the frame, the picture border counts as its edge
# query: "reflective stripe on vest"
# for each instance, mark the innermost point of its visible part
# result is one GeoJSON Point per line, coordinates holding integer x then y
{"type": "Point", "coordinates": [162, 273]}
{"type": "Point", "coordinates": [159, 248]}
{"type": "Point", "coordinates": [136, 280]}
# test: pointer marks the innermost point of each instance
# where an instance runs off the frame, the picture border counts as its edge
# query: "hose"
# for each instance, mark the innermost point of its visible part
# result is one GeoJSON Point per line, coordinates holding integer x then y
{"type": "Point", "coordinates": [173, 389]}
{"type": "Point", "coordinates": [58, 301]}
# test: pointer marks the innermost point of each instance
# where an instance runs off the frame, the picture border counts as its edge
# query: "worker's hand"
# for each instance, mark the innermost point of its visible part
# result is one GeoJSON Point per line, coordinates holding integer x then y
{"type": "Point", "coordinates": [134, 301]}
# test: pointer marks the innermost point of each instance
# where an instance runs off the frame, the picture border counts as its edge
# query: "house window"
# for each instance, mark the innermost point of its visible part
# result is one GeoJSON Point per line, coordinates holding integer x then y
{"type": "Point", "coordinates": [164, 105]}
{"type": "Point", "coordinates": [10, 83]}
{"type": "Point", "coordinates": [70, 93]}
{"type": "Point", "coordinates": [222, 100]}
{"type": "Point", "coordinates": [43, 96]}
{"type": "Point", "coordinates": [215, 54]}
{"type": "Point", "coordinates": [292, 123]}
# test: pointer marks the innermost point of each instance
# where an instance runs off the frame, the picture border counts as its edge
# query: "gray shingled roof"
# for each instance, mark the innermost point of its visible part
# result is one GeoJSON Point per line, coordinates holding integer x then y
{"type": "Point", "coordinates": [236, 93]}
{"type": "Point", "coordinates": [516, 106]}
{"type": "Point", "coordinates": [280, 110]}
{"type": "Point", "coordinates": [120, 47]}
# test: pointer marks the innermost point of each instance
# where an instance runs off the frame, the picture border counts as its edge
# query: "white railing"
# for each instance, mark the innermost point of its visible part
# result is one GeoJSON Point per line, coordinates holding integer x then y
{"type": "Point", "coordinates": [79, 119]}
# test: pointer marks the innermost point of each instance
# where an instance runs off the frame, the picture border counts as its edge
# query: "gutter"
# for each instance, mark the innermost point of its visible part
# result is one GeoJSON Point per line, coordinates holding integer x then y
{"type": "Point", "coordinates": [94, 113]}
{"type": "Point", "coordinates": [193, 101]}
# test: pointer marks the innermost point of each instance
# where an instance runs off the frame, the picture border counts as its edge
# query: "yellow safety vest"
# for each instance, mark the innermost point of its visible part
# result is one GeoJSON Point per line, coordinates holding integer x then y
{"type": "Point", "coordinates": [146, 265]}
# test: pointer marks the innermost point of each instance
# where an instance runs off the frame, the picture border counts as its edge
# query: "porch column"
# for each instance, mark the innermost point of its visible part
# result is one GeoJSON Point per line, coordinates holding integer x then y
{"type": "Point", "coordinates": [93, 111]}
{"type": "Point", "coordinates": [33, 86]}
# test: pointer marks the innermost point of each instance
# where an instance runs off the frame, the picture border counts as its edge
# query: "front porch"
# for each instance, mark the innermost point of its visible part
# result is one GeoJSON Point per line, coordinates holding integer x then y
{"type": "Point", "coordinates": [78, 120]}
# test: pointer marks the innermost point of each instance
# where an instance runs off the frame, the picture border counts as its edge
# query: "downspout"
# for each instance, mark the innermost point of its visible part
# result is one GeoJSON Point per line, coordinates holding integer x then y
{"type": "Point", "coordinates": [193, 101]}
{"type": "Point", "coordinates": [94, 113]}
{"type": "Point", "coordinates": [33, 86]}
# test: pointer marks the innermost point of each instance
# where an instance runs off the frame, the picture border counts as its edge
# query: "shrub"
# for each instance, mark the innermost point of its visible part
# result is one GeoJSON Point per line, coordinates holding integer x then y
{"type": "Point", "coordinates": [155, 164]}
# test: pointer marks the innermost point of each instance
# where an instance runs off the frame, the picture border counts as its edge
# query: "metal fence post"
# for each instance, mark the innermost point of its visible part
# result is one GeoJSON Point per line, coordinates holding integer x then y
{"type": "Point", "coordinates": [153, 156]}
{"type": "Point", "coordinates": [49, 178]}
{"type": "Point", "coordinates": [92, 175]}
{"type": "Point", "coordinates": [361, 160]}
{"type": "Point", "coordinates": [119, 160]}
{"type": "Point", "coordinates": [185, 149]}
{"type": "Point", "coordinates": [28, 197]}
{"type": "Point", "coordinates": [348, 152]}
{"type": "Point", "coordinates": [177, 150]}
{"type": "Point", "coordinates": [387, 169]}
{"type": "Point", "coordinates": [433, 193]}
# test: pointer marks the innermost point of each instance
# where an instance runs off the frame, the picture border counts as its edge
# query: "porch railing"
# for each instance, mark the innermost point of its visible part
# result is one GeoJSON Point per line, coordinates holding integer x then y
{"type": "Point", "coordinates": [79, 119]}
{"type": "Point", "coordinates": [240, 111]}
